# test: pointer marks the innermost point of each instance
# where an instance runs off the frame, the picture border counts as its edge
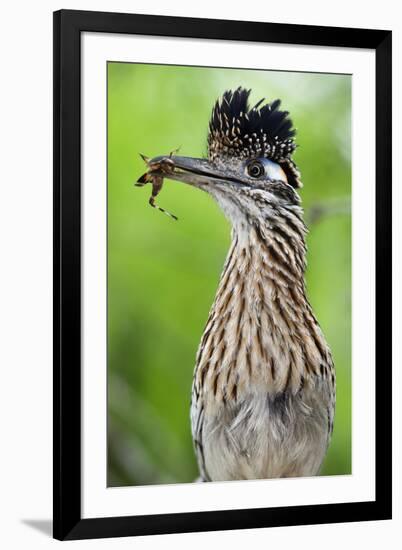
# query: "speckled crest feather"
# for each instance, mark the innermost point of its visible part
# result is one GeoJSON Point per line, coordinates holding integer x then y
{"type": "Point", "coordinates": [236, 130]}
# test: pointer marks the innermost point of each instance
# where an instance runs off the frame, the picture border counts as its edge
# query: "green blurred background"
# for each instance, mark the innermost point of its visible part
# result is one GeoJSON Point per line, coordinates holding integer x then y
{"type": "Point", "coordinates": [162, 274]}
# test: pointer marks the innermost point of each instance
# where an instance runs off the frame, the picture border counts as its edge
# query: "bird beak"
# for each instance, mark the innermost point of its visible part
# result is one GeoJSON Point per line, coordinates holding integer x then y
{"type": "Point", "coordinates": [193, 171]}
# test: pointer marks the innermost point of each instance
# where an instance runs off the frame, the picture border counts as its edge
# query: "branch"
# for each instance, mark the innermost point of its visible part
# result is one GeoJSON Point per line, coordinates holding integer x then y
{"type": "Point", "coordinates": [332, 207]}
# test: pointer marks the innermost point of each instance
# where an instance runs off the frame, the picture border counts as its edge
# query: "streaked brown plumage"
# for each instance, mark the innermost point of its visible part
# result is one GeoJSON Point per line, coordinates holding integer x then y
{"type": "Point", "coordinates": [264, 384]}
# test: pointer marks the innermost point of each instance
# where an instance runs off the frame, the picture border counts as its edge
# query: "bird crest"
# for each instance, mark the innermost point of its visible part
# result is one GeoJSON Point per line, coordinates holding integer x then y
{"type": "Point", "coordinates": [238, 131]}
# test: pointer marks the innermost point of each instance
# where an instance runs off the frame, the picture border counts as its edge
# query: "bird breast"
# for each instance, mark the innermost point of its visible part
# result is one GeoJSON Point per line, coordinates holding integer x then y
{"type": "Point", "coordinates": [261, 333]}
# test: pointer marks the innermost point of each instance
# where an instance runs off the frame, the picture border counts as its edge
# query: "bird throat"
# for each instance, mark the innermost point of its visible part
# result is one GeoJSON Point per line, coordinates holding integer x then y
{"type": "Point", "coordinates": [261, 334]}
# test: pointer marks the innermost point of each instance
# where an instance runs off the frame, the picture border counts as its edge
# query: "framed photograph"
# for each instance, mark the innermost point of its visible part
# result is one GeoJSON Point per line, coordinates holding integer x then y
{"type": "Point", "coordinates": [222, 274]}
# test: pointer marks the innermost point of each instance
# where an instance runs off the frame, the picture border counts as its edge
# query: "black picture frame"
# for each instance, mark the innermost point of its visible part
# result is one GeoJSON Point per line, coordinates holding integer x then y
{"type": "Point", "coordinates": [68, 27]}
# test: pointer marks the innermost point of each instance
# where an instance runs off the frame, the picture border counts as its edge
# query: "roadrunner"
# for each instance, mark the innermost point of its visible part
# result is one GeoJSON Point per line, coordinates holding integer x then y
{"type": "Point", "coordinates": [263, 394]}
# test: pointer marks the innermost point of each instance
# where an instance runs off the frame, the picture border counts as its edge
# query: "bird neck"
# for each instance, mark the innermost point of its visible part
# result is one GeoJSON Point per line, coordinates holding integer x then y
{"type": "Point", "coordinates": [276, 243]}
{"type": "Point", "coordinates": [264, 269]}
{"type": "Point", "coordinates": [261, 332]}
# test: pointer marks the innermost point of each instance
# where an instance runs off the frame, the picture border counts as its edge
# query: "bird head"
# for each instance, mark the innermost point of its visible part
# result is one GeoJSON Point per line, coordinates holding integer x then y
{"type": "Point", "coordinates": [249, 170]}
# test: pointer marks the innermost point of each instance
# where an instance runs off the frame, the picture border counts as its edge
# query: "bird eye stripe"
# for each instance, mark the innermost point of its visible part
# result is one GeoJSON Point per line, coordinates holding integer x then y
{"type": "Point", "coordinates": [265, 168]}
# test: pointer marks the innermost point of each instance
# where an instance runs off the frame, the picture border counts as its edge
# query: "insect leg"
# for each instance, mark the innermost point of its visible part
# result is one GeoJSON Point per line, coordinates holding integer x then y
{"type": "Point", "coordinates": [156, 187]}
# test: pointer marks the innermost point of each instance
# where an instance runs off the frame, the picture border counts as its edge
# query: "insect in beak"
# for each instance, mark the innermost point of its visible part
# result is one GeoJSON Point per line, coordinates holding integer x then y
{"type": "Point", "coordinates": [166, 166]}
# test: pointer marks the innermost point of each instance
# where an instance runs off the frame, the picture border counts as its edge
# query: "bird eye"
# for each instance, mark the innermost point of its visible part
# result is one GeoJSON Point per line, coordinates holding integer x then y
{"type": "Point", "coordinates": [255, 169]}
